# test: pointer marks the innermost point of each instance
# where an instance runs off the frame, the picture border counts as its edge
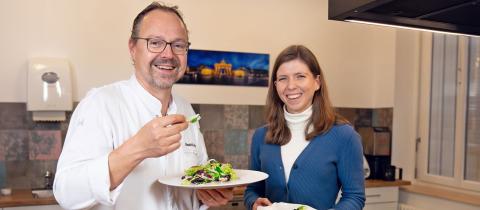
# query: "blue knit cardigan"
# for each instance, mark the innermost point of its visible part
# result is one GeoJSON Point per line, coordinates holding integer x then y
{"type": "Point", "coordinates": [331, 161]}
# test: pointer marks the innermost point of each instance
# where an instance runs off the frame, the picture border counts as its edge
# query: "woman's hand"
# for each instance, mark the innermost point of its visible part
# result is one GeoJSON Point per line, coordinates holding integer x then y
{"type": "Point", "coordinates": [261, 202]}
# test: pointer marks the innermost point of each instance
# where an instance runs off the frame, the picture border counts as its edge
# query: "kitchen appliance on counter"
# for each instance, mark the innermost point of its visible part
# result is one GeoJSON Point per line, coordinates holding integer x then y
{"type": "Point", "coordinates": [376, 143]}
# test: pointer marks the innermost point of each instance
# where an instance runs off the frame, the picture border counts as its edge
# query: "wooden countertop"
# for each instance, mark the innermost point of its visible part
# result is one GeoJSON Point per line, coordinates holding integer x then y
{"type": "Point", "coordinates": [24, 198]}
{"type": "Point", "coordinates": [381, 183]}
{"type": "Point", "coordinates": [444, 193]}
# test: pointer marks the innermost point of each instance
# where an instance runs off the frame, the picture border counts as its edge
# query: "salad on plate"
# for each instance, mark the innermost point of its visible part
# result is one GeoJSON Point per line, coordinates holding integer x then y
{"type": "Point", "coordinates": [212, 171]}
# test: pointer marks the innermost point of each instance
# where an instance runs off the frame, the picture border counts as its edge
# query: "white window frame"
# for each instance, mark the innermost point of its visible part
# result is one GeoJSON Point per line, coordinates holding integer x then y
{"type": "Point", "coordinates": [457, 181]}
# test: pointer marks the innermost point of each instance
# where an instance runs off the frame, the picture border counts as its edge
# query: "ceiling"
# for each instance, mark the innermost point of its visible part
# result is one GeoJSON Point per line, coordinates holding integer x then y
{"type": "Point", "coordinates": [456, 16]}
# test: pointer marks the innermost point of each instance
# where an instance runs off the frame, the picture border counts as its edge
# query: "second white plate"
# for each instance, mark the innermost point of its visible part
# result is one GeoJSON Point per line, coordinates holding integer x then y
{"type": "Point", "coordinates": [284, 206]}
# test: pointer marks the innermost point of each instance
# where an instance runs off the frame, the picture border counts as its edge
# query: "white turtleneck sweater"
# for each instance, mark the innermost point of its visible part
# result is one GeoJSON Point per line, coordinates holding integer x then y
{"type": "Point", "coordinates": [290, 151]}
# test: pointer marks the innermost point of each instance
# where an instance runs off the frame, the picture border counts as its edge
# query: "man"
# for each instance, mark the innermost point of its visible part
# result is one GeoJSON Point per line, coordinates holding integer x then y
{"type": "Point", "coordinates": [124, 136]}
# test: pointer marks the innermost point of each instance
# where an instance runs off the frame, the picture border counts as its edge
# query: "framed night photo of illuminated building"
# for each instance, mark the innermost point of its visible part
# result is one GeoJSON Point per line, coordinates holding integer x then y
{"type": "Point", "coordinates": [208, 67]}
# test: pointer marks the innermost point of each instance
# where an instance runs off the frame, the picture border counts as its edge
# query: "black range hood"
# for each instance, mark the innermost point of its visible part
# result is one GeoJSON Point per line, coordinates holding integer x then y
{"type": "Point", "coordinates": [454, 16]}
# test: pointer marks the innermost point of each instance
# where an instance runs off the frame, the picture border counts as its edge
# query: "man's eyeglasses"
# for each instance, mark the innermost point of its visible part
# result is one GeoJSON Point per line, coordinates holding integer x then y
{"type": "Point", "coordinates": [156, 45]}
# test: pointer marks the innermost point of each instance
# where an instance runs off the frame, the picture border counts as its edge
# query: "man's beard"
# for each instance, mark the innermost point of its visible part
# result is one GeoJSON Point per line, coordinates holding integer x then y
{"type": "Point", "coordinates": [165, 81]}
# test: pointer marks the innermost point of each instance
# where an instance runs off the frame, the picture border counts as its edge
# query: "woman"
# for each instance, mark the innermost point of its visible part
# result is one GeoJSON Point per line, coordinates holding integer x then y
{"type": "Point", "coordinates": [308, 151]}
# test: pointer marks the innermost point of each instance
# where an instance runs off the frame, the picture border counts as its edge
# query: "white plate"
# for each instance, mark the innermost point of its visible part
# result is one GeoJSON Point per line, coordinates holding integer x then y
{"type": "Point", "coordinates": [283, 206]}
{"type": "Point", "coordinates": [244, 177]}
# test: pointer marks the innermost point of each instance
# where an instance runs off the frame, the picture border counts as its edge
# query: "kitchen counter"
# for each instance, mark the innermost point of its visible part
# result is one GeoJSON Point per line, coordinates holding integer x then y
{"type": "Point", "coordinates": [369, 183]}
{"type": "Point", "coordinates": [24, 197]}
{"type": "Point", "coordinates": [379, 195]}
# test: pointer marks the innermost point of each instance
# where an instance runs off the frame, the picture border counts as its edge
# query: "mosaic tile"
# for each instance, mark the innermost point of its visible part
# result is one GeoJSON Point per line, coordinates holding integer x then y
{"type": "Point", "coordinates": [364, 118]}
{"type": "Point", "coordinates": [256, 116]}
{"type": "Point", "coordinates": [382, 144]}
{"type": "Point", "coordinates": [3, 174]}
{"type": "Point", "coordinates": [37, 170]}
{"type": "Point", "coordinates": [22, 182]}
{"type": "Point", "coordinates": [15, 144]}
{"type": "Point", "coordinates": [235, 142]}
{"type": "Point", "coordinates": [227, 130]}
{"type": "Point", "coordinates": [17, 167]}
{"type": "Point", "coordinates": [375, 141]}
{"type": "Point", "coordinates": [17, 174]}
{"type": "Point", "coordinates": [349, 113]}
{"type": "Point", "coordinates": [64, 126]}
{"type": "Point", "coordinates": [236, 116]}
{"type": "Point", "coordinates": [382, 117]}
{"type": "Point", "coordinates": [237, 161]}
{"type": "Point", "coordinates": [45, 144]}
{"type": "Point", "coordinates": [13, 116]}
{"type": "Point", "coordinates": [3, 148]}
{"type": "Point", "coordinates": [212, 117]}
{"type": "Point", "coordinates": [214, 141]}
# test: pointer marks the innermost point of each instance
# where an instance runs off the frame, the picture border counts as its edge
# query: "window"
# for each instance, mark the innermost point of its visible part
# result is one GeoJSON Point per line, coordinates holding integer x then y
{"type": "Point", "coordinates": [472, 155]}
{"type": "Point", "coordinates": [449, 119]}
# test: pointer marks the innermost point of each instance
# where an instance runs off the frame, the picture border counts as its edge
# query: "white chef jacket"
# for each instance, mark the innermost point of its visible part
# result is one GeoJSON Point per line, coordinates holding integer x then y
{"type": "Point", "coordinates": [103, 121]}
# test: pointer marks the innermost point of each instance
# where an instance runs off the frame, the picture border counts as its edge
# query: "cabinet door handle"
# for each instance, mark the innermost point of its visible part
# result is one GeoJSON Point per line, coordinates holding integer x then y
{"type": "Point", "coordinates": [374, 195]}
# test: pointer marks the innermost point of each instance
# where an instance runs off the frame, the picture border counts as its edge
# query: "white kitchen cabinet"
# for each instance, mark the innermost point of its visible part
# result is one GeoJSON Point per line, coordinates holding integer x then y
{"type": "Point", "coordinates": [41, 207]}
{"type": "Point", "coordinates": [381, 198]}
{"type": "Point", "coordinates": [381, 206]}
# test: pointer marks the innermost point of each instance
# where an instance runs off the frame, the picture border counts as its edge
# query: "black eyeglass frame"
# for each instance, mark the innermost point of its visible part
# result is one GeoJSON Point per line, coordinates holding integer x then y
{"type": "Point", "coordinates": [165, 47]}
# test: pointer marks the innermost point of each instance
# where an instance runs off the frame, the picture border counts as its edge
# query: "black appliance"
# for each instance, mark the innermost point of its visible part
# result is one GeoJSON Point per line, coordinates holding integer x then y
{"type": "Point", "coordinates": [456, 16]}
{"type": "Point", "coordinates": [378, 166]}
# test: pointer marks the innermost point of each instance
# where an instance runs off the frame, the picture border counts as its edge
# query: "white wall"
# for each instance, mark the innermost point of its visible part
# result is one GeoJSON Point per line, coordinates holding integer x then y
{"type": "Point", "coordinates": [404, 130]}
{"type": "Point", "coordinates": [358, 60]}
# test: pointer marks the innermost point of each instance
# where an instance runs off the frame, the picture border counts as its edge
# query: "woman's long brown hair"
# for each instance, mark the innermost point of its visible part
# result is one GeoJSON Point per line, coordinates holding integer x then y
{"type": "Point", "coordinates": [323, 114]}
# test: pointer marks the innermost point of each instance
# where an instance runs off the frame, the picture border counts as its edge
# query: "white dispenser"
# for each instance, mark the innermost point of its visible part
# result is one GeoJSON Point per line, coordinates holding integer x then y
{"type": "Point", "coordinates": [49, 92]}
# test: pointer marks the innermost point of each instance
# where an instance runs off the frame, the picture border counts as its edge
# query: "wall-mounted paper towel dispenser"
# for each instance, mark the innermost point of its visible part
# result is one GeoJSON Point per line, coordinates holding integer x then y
{"type": "Point", "coordinates": [49, 89]}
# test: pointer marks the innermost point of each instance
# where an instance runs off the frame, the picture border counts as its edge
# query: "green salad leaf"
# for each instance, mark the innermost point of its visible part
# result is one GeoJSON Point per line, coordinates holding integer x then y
{"type": "Point", "coordinates": [212, 171]}
{"type": "Point", "coordinates": [194, 118]}
{"type": "Point", "coordinates": [301, 208]}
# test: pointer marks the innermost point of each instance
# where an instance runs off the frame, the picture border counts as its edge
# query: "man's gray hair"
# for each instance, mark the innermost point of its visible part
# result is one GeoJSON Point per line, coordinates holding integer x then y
{"type": "Point", "coordinates": [154, 6]}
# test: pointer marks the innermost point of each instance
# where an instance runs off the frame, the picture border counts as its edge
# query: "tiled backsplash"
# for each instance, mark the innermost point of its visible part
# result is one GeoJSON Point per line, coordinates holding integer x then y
{"type": "Point", "coordinates": [228, 129]}
{"type": "Point", "coordinates": [28, 149]}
